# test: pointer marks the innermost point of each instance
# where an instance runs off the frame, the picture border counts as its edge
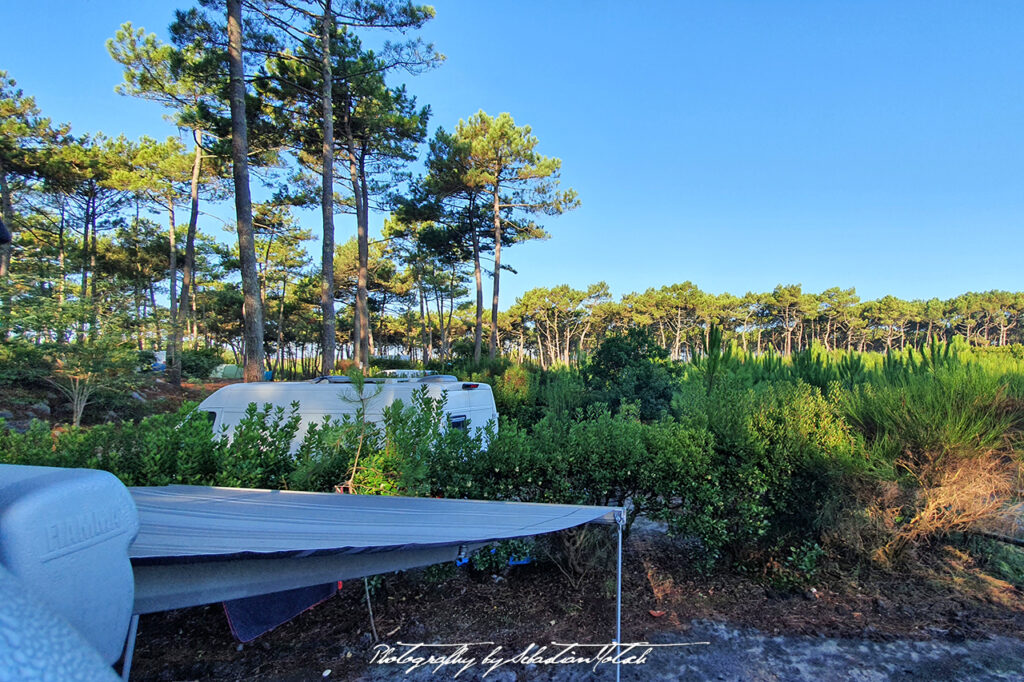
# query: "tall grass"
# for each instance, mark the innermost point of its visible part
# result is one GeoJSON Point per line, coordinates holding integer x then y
{"type": "Point", "coordinates": [955, 408]}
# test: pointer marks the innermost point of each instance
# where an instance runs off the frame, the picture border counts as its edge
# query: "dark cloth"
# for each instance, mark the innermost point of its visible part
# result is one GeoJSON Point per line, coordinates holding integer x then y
{"type": "Point", "coordinates": [253, 616]}
{"type": "Point", "coordinates": [5, 234]}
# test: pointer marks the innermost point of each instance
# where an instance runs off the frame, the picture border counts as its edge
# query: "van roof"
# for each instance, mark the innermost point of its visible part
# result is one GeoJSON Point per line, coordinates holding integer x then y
{"type": "Point", "coordinates": [390, 379]}
{"type": "Point", "coordinates": [286, 392]}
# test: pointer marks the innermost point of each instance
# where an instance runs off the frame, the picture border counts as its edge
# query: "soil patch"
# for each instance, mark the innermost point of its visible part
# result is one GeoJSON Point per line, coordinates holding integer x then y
{"type": "Point", "coordinates": [947, 616]}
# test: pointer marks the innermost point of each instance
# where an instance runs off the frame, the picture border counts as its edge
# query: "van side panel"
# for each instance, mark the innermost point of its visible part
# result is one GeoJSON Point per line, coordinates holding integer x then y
{"type": "Point", "coordinates": [335, 400]}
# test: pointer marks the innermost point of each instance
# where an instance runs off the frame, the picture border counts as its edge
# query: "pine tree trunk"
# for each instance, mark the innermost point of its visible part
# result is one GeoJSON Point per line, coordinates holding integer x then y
{"type": "Point", "coordinates": [186, 303]}
{"type": "Point", "coordinates": [62, 284]}
{"type": "Point", "coordinates": [479, 324]}
{"type": "Point", "coordinates": [356, 177]}
{"type": "Point", "coordinates": [423, 319]}
{"type": "Point", "coordinates": [493, 347]}
{"type": "Point", "coordinates": [173, 359]}
{"type": "Point", "coordinates": [93, 253]}
{"type": "Point", "coordinates": [280, 325]}
{"type": "Point", "coordinates": [84, 293]}
{"type": "Point", "coordinates": [252, 310]}
{"type": "Point", "coordinates": [7, 212]}
{"type": "Point", "coordinates": [363, 232]}
{"type": "Point", "coordinates": [328, 338]}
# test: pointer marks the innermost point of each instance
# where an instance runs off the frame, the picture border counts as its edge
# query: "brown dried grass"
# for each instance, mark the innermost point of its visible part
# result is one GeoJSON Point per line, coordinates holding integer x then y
{"type": "Point", "coordinates": [888, 521]}
{"type": "Point", "coordinates": [960, 494]}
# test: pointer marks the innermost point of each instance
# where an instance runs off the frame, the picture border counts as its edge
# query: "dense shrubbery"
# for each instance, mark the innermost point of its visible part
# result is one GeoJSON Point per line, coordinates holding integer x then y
{"type": "Point", "coordinates": [199, 363]}
{"type": "Point", "coordinates": [631, 369]}
{"type": "Point", "coordinates": [175, 447]}
{"type": "Point", "coordinates": [783, 460]}
{"type": "Point", "coordinates": [780, 452]}
{"type": "Point", "coordinates": [22, 363]}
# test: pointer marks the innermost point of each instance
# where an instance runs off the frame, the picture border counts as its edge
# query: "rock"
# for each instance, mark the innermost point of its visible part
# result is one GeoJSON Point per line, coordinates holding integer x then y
{"type": "Point", "coordinates": [138, 396]}
{"type": "Point", "coordinates": [41, 408]}
{"type": "Point", "coordinates": [4, 414]}
{"type": "Point", "coordinates": [18, 425]}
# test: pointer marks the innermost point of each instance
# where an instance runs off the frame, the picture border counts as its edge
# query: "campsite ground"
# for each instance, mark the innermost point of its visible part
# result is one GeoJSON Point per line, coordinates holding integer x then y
{"type": "Point", "coordinates": [946, 619]}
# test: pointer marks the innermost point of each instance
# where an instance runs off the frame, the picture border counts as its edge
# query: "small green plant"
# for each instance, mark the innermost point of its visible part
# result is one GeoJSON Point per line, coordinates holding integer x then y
{"type": "Point", "coordinates": [496, 558]}
{"type": "Point", "coordinates": [711, 358]}
{"type": "Point", "coordinates": [806, 558]}
{"type": "Point", "coordinates": [438, 574]}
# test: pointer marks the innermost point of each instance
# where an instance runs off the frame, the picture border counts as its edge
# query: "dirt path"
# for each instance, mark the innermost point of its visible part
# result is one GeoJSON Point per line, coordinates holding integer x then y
{"type": "Point", "coordinates": [748, 656]}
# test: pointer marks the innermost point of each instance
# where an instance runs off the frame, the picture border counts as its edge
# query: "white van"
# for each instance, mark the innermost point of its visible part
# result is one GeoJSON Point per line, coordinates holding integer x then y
{"type": "Point", "coordinates": [468, 405]}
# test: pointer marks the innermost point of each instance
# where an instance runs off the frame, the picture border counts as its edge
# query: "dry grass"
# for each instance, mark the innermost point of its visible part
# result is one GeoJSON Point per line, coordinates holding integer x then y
{"type": "Point", "coordinates": [888, 521]}
{"type": "Point", "coordinates": [953, 495]}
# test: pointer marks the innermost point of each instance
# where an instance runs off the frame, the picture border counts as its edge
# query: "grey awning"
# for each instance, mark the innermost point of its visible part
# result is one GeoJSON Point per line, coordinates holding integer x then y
{"type": "Point", "coordinates": [198, 545]}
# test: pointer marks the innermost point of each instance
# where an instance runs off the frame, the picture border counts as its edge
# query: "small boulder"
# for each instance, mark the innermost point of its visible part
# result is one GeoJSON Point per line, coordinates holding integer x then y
{"type": "Point", "coordinates": [19, 425]}
{"type": "Point", "coordinates": [138, 396]}
{"type": "Point", "coordinates": [41, 408]}
{"type": "Point", "coordinates": [4, 414]}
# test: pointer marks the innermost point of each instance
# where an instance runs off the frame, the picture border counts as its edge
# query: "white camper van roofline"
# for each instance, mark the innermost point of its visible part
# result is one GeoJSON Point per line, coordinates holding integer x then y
{"type": "Point", "coordinates": [428, 379]}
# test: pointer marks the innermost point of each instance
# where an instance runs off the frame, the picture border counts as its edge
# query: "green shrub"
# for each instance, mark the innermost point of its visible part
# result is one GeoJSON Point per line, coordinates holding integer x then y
{"type": "Point", "coordinates": [631, 369]}
{"type": "Point", "coordinates": [515, 394]}
{"type": "Point", "coordinates": [379, 364]}
{"type": "Point", "coordinates": [35, 447]}
{"type": "Point", "coordinates": [259, 452]}
{"type": "Point", "coordinates": [200, 362]}
{"type": "Point", "coordinates": [953, 409]}
{"type": "Point", "coordinates": [322, 460]}
{"type": "Point", "coordinates": [781, 452]}
{"type": "Point", "coordinates": [598, 459]}
{"type": "Point", "coordinates": [23, 363]}
{"type": "Point", "coordinates": [561, 392]}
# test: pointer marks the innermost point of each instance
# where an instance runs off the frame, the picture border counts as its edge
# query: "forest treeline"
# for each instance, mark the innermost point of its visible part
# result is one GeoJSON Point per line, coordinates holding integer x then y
{"type": "Point", "coordinates": [114, 243]}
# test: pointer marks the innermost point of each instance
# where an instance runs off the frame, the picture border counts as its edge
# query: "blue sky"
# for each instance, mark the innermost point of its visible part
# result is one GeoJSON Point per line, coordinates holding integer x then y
{"type": "Point", "coordinates": [734, 144]}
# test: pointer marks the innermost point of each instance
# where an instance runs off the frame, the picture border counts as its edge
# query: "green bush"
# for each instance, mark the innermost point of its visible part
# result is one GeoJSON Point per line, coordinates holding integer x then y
{"type": "Point", "coordinates": [560, 392]}
{"type": "Point", "coordinates": [23, 363]}
{"type": "Point", "coordinates": [259, 452]}
{"type": "Point", "coordinates": [781, 452]}
{"type": "Point", "coordinates": [35, 447]}
{"type": "Point", "coordinates": [598, 459]}
{"type": "Point", "coordinates": [628, 369]}
{"type": "Point", "coordinates": [176, 447]}
{"type": "Point", "coordinates": [515, 394]}
{"type": "Point", "coordinates": [200, 362]}
{"type": "Point", "coordinates": [322, 460]}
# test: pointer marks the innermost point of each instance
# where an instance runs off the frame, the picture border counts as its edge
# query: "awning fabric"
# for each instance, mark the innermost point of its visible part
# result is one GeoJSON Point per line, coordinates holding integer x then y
{"type": "Point", "coordinates": [199, 545]}
{"type": "Point", "coordinates": [192, 521]}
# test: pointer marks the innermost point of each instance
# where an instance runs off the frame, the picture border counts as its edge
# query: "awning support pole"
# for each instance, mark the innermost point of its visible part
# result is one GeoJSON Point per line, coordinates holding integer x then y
{"type": "Point", "coordinates": [620, 521]}
{"type": "Point", "coordinates": [129, 647]}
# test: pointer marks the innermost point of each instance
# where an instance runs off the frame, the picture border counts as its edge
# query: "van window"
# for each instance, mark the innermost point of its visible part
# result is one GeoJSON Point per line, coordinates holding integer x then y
{"type": "Point", "coordinates": [459, 422]}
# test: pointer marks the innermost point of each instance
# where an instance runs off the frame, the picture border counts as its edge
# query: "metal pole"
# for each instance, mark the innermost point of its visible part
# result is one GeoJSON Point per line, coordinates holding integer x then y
{"type": "Point", "coordinates": [620, 518]}
{"type": "Point", "coordinates": [129, 649]}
